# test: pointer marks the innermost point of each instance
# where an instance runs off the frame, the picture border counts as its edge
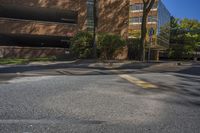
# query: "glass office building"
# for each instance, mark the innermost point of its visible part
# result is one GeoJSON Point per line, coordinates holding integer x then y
{"type": "Point", "coordinates": [163, 25]}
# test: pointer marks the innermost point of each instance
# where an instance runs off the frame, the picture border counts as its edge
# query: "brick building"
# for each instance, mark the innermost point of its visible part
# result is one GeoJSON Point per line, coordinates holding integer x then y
{"type": "Point", "coordinates": [158, 20]}
{"type": "Point", "coordinates": [43, 27]}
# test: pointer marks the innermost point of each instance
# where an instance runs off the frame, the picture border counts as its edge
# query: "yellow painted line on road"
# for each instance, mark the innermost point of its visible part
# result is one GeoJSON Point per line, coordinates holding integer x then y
{"type": "Point", "coordinates": [138, 82]}
{"type": "Point", "coordinates": [134, 80]}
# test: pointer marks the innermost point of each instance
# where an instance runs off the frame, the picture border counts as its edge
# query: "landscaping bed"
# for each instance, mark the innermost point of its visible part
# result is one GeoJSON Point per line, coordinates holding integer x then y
{"type": "Point", "coordinates": [19, 61]}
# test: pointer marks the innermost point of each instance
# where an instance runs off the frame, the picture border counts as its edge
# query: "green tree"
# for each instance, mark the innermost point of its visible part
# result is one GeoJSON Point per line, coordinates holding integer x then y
{"type": "Point", "coordinates": [185, 38]}
{"type": "Point", "coordinates": [174, 38]}
{"type": "Point", "coordinates": [189, 24]}
{"type": "Point", "coordinates": [192, 43]}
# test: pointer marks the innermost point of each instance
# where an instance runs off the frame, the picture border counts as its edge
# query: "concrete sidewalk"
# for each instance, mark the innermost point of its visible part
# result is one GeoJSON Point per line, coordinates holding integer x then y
{"type": "Point", "coordinates": [101, 64]}
{"type": "Point", "coordinates": [89, 67]}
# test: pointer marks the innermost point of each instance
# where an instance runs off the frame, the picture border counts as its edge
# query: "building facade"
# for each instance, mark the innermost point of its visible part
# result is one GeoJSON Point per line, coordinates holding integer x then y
{"type": "Point", "coordinates": [158, 20]}
{"type": "Point", "coordinates": [44, 27]}
{"type": "Point", "coordinates": [39, 27]}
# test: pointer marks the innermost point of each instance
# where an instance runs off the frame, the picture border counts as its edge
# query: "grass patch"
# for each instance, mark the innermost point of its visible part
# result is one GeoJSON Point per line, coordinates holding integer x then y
{"type": "Point", "coordinates": [17, 61]}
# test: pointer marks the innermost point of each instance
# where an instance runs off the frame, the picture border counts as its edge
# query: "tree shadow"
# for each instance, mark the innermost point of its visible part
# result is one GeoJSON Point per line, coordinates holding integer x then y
{"type": "Point", "coordinates": [193, 70]}
{"type": "Point", "coordinates": [79, 64]}
{"type": "Point", "coordinates": [186, 92]}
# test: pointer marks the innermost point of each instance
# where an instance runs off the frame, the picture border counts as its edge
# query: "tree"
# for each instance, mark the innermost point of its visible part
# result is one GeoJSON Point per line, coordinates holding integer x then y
{"type": "Point", "coordinates": [174, 25]}
{"type": "Point", "coordinates": [185, 38]}
{"type": "Point", "coordinates": [95, 29]}
{"type": "Point", "coordinates": [147, 5]}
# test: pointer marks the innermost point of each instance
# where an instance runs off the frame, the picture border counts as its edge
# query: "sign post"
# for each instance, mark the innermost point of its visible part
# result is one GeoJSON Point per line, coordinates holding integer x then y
{"type": "Point", "coordinates": [151, 33]}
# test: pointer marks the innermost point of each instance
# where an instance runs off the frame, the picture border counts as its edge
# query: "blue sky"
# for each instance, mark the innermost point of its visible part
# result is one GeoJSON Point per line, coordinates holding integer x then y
{"type": "Point", "coordinates": [184, 8]}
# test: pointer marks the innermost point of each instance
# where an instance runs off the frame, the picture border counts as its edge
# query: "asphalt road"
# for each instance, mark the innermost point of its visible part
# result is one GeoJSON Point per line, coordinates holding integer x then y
{"type": "Point", "coordinates": [107, 101]}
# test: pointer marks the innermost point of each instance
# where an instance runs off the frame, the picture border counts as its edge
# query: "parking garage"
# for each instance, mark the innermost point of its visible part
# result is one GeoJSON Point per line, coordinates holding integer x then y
{"type": "Point", "coordinates": [40, 15]}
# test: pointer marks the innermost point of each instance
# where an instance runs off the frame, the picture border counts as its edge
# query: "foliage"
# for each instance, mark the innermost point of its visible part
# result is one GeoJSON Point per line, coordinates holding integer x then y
{"type": "Point", "coordinates": [19, 61]}
{"type": "Point", "coordinates": [81, 45]}
{"type": "Point", "coordinates": [135, 33]}
{"type": "Point", "coordinates": [185, 38]}
{"type": "Point", "coordinates": [108, 44]}
{"type": "Point", "coordinates": [133, 48]}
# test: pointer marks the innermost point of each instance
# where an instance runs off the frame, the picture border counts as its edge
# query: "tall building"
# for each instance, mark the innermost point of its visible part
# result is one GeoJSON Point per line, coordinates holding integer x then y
{"type": "Point", "coordinates": [43, 27]}
{"type": "Point", "coordinates": [158, 20]}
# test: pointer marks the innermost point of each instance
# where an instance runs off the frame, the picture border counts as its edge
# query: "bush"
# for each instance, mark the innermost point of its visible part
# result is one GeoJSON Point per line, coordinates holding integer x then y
{"type": "Point", "coordinates": [181, 51]}
{"type": "Point", "coordinates": [108, 44]}
{"type": "Point", "coordinates": [133, 48]}
{"type": "Point", "coordinates": [81, 45]}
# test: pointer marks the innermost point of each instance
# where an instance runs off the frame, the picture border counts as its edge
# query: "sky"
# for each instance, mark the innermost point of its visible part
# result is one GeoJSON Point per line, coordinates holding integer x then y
{"type": "Point", "coordinates": [184, 8]}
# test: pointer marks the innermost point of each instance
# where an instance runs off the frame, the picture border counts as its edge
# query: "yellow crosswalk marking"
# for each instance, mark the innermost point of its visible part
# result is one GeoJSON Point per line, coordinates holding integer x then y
{"type": "Point", "coordinates": [138, 82]}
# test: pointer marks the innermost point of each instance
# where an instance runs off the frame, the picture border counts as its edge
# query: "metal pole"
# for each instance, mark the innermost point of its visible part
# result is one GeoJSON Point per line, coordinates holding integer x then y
{"type": "Point", "coordinates": [149, 53]}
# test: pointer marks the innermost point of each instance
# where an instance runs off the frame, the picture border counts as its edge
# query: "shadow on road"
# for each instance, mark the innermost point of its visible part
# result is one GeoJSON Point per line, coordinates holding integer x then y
{"type": "Point", "coordinates": [188, 75]}
{"type": "Point", "coordinates": [193, 70]}
{"type": "Point", "coordinates": [31, 68]}
{"type": "Point", "coordinates": [187, 89]}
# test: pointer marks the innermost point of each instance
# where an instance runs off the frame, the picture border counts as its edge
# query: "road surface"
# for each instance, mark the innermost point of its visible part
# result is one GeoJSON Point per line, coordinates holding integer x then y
{"type": "Point", "coordinates": [107, 101]}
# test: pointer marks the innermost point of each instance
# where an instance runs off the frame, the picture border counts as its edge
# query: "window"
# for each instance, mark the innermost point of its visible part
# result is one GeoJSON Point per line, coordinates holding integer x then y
{"type": "Point", "coordinates": [38, 14]}
{"type": "Point", "coordinates": [136, 20]}
{"type": "Point", "coordinates": [90, 15]}
{"type": "Point", "coordinates": [152, 19]}
{"type": "Point", "coordinates": [136, 7]}
{"type": "Point", "coordinates": [139, 6]}
{"type": "Point", "coordinates": [90, 1]}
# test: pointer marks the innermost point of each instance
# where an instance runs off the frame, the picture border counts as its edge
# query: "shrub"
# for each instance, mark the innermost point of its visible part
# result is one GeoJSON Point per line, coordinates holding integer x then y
{"type": "Point", "coordinates": [108, 44]}
{"type": "Point", "coordinates": [81, 45]}
{"type": "Point", "coordinates": [181, 51]}
{"type": "Point", "coordinates": [133, 48]}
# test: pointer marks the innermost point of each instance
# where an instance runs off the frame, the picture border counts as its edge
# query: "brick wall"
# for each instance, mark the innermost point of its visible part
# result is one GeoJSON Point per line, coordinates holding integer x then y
{"type": "Point", "coordinates": [29, 52]}
{"type": "Point", "coordinates": [34, 27]}
{"type": "Point", "coordinates": [113, 16]}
